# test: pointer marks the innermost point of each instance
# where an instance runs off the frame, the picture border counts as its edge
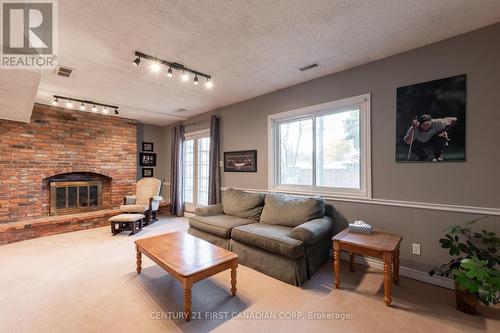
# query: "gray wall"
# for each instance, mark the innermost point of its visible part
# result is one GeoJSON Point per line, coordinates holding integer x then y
{"type": "Point", "coordinates": [160, 136]}
{"type": "Point", "coordinates": [471, 183]}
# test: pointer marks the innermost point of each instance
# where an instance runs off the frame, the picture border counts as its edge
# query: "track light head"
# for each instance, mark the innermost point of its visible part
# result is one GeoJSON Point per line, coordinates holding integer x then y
{"type": "Point", "coordinates": [82, 107]}
{"type": "Point", "coordinates": [94, 108]}
{"type": "Point", "coordinates": [55, 101]}
{"type": "Point", "coordinates": [116, 111]}
{"type": "Point", "coordinates": [169, 72]}
{"type": "Point", "coordinates": [185, 76]}
{"type": "Point", "coordinates": [69, 104]}
{"type": "Point", "coordinates": [105, 110]}
{"type": "Point", "coordinates": [155, 67]}
{"type": "Point", "coordinates": [195, 81]}
{"type": "Point", "coordinates": [137, 61]}
{"type": "Point", "coordinates": [209, 84]}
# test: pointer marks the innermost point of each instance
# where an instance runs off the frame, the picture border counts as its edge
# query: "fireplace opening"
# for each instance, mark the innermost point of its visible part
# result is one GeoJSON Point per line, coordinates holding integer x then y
{"type": "Point", "coordinates": [75, 196]}
{"type": "Point", "coordinates": [73, 193]}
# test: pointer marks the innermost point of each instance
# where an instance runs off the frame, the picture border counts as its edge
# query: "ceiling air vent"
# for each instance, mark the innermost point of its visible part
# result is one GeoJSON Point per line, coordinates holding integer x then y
{"type": "Point", "coordinates": [308, 67]}
{"type": "Point", "coordinates": [64, 71]}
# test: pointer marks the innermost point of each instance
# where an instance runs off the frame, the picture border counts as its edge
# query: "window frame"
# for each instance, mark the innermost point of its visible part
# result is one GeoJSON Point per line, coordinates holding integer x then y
{"type": "Point", "coordinates": [312, 112]}
{"type": "Point", "coordinates": [195, 136]}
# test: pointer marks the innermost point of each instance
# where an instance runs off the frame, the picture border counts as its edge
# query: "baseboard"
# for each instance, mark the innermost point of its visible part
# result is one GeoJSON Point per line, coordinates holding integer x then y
{"type": "Point", "coordinates": [403, 271]}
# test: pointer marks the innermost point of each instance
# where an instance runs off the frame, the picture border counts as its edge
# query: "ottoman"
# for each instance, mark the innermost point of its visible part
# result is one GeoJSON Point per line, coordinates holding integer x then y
{"type": "Point", "coordinates": [122, 222]}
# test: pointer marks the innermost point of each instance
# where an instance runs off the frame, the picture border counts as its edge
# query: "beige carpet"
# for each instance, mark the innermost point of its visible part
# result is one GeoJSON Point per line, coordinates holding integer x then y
{"type": "Point", "coordinates": [86, 282]}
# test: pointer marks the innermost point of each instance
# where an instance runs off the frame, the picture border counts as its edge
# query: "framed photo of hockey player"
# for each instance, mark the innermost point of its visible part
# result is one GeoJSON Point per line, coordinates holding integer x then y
{"type": "Point", "coordinates": [430, 121]}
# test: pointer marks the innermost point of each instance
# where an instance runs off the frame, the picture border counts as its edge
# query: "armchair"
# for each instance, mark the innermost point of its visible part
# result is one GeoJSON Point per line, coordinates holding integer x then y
{"type": "Point", "coordinates": [146, 201]}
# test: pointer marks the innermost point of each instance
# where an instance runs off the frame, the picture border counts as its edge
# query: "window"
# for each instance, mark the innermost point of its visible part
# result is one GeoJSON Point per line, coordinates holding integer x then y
{"type": "Point", "coordinates": [203, 167]}
{"type": "Point", "coordinates": [188, 170]}
{"type": "Point", "coordinates": [322, 149]}
{"type": "Point", "coordinates": [196, 169]}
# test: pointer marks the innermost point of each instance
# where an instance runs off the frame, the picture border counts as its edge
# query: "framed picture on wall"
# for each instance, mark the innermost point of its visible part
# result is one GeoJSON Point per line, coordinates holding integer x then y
{"type": "Point", "coordinates": [148, 146]}
{"type": "Point", "coordinates": [147, 172]}
{"type": "Point", "coordinates": [240, 161]}
{"type": "Point", "coordinates": [147, 159]}
{"type": "Point", "coordinates": [430, 121]}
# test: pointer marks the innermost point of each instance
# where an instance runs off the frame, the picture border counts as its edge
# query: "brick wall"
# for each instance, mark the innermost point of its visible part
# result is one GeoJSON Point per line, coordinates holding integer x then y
{"type": "Point", "coordinates": [61, 141]}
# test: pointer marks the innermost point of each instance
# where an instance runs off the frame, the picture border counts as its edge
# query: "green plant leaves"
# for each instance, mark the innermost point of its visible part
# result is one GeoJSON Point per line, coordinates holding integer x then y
{"type": "Point", "coordinates": [445, 243]}
{"type": "Point", "coordinates": [477, 269]}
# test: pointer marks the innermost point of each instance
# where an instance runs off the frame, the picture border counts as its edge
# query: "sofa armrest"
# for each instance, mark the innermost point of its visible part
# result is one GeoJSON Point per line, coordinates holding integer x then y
{"type": "Point", "coordinates": [129, 200]}
{"type": "Point", "coordinates": [209, 210]}
{"type": "Point", "coordinates": [313, 230]}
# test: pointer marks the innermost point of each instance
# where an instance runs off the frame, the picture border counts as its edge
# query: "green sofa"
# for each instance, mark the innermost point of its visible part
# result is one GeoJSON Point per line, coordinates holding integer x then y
{"type": "Point", "coordinates": [284, 236]}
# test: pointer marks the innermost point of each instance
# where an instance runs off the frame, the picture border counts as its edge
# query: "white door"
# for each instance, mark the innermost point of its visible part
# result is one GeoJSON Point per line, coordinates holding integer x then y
{"type": "Point", "coordinates": [196, 169]}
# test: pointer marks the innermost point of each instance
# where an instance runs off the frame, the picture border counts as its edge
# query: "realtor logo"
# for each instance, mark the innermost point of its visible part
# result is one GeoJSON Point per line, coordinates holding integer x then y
{"type": "Point", "coordinates": [29, 34]}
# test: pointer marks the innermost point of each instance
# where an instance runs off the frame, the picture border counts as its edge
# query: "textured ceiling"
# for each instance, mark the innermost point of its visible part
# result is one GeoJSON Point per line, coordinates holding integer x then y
{"type": "Point", "coordinates": [18, 89]}
{"type": "Point", "coordinates": [249, 47]}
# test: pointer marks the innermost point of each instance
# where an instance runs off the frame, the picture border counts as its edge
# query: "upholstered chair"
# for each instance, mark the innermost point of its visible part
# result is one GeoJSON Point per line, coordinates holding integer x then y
{"type": "Point", "coordinates": [146, 201]}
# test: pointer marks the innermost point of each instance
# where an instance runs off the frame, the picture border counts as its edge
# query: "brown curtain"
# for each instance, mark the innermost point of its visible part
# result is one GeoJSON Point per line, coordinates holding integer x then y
{"type": "Point", "coordinates": [176, 181]}
{"type": "Point", "coordinates": [214, 196]}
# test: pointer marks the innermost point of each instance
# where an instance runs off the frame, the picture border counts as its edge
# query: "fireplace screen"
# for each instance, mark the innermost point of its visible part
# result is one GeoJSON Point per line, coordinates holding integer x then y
{"type": "Point", "coordinates": [75, 197]}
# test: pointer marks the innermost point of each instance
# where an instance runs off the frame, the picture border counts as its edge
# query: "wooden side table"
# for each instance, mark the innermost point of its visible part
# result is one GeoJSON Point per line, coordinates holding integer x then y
{"type": "Point", "coordinates": [377, 244]}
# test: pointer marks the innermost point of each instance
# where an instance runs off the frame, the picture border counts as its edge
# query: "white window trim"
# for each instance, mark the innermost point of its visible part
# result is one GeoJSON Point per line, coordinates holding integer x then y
{"type": "Point", "coordinates": [364, 102]}
{"type": "Point", "coordinates": [197, 134]}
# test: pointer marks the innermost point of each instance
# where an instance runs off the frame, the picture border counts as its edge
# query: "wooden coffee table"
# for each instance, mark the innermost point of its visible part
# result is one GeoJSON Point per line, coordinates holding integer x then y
{"type": "Point", "coordinates": [188, 259]}
{"type": "Point", "coordinates": [377, 244]}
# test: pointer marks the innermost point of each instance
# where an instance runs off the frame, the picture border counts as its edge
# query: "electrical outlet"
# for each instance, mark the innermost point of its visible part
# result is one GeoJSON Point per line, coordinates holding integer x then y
{"type": "Point", "coordinates": [416, 249]}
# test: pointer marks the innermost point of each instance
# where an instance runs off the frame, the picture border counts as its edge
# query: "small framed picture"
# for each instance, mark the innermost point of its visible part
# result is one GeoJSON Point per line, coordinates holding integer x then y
{"type": "Point", "coordinates": [147, 159]}
{"type": "Point", "coordinates": [240, 161]}
{"type": "Point", "coordinates": [147, 172]}
{"type": "Point", "coordinates": [148, 146]}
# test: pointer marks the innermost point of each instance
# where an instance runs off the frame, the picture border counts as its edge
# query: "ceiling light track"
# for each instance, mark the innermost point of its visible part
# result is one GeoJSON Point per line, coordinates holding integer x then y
{"type": "Point", "coordinates": [83, 102]}
{"type": "Point", "coordinates": [156, 62]}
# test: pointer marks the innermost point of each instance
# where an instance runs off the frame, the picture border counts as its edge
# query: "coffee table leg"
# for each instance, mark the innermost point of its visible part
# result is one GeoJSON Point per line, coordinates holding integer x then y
{"type": "Point", "coordinates": [388, 257]}
{"type": "Point", "coordinates": [396, 266]}
{"type": "Point", "coordinates": [138, 261]}
{"type": "Point", "coordinates": [187, 299]}
{"type": "Point", "coordinates": [336, 263]}
{"type": "Point", "coordinates": [351, 261]}
{"type": "Point", "coordinates": [233, 277]}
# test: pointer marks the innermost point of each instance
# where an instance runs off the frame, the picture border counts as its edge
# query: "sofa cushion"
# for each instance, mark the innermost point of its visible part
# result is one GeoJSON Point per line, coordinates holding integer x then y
{"type": "Point", "coordinates": [243, 204]}
{"type": "Point", "coordinates": [269, 237]}
{"type": "Point", "coordinates": [219, 225]}
{"type": "Point", "coordinates": [291, 210]}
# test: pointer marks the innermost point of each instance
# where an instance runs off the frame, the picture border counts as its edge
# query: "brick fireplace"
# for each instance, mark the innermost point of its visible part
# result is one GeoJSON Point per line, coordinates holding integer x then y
{"type": "Point", "coordinates": [63, 145]}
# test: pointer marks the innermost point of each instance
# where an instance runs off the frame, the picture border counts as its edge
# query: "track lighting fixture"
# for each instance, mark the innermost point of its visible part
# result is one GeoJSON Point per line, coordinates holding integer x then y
{"type": "Point", "coordinates": [69, 104]}
{"type": "Point", "coordinates": [156, 67]}
{"type": "Point", "coordinates": [209, 84]}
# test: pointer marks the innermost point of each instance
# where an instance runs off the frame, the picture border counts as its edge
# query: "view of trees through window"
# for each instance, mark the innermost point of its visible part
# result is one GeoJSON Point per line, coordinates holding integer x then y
{"type": "Point", "coordinates": [335, 146]}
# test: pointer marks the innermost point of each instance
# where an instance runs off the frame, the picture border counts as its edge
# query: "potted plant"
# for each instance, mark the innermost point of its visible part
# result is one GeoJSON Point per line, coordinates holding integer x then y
{"type": "Point", "coordinates": [474, 267]}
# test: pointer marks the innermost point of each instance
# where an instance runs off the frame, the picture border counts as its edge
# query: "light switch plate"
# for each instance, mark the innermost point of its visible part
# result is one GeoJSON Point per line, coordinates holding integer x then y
{"type": "Point", "coordinates": [416, 249]}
